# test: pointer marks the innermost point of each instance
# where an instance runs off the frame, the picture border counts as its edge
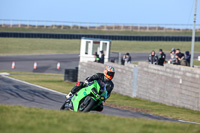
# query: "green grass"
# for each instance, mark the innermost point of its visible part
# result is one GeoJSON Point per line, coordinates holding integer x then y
{"type": "Point", "coordinates": [18, 119]}
{"type": "Point", "coordinates": [83, 31]}
{"type": "Point", "coordinates": [49, 46]}
{"type": "Point", "coordinates": [55, 82]}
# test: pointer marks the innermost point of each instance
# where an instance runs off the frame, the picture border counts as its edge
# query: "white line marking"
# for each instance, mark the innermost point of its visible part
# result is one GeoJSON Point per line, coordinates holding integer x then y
{"type": "Point", "coordinates": [188, 122]}
{"type": "Point", "coordinates": [34, 85]}
{"type": "Point", "coordinates": [4, 74]}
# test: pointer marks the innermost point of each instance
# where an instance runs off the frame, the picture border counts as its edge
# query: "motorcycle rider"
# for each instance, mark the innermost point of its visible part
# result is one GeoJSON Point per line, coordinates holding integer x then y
{"type": "Point", "coordinates": [105, 77]}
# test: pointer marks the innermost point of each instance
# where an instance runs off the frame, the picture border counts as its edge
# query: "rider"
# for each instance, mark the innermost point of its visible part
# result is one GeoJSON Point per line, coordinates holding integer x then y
{"type": "Point", "coordinates": [106, 77]}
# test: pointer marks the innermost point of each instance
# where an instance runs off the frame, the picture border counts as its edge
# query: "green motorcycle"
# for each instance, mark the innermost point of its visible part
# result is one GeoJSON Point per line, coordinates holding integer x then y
{"type": "Point", "coordinates": [88, 98]}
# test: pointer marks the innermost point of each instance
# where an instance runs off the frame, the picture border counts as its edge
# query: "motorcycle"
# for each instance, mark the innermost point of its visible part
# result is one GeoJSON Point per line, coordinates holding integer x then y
{"type": "Point", "coordinates": [88, 98]}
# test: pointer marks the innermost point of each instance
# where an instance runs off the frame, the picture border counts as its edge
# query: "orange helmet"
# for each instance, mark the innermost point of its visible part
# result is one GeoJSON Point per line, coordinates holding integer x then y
{"type": "Point", "coordinates": [109, 72]}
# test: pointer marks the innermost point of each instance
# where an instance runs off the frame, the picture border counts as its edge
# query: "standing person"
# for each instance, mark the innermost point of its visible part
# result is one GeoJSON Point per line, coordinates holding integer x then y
{"type": "Point", "coordinates": [180, 58]}
{"type": "Point", "coordinates": [128, 58]}
{"type": "Point", "coordinates": [172, 56]}
{"type": "Point", "coordinates": [187, 58]}
{"type": "Point", "coordinates": [102, 57]}
{"type": "Point", "coordinates": [162, 57]}
{"type": "Point", "coordinates": [96, 56]}
{"type": "Point", "coordinates": [123, 59]}
{"type": "Point", "coordinates": [153, 58]}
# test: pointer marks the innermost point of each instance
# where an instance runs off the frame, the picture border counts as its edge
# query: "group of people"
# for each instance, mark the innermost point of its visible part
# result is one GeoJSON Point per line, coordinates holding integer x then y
{"type": "Point", "coordinates": [99, 59]}
{"type": "Point", "coordinates": [155, 59]}
{"type": "Point", "coordinates": [176, 57]}
{"type": "Point", "coordinates": [126, 58]}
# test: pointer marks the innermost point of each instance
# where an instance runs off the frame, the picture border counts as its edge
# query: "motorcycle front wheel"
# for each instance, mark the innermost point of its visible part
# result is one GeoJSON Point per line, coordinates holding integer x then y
{"type": "Point", "coordinates": [87, 104]}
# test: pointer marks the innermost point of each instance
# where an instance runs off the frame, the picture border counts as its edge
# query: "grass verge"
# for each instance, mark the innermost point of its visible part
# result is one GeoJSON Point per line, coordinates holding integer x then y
{"type": "Point", "coordinates": [49, 46]}
{"type": "Point", "coordinates": [18, 119]}
{"type": "Point", "coordinates": [55, 82]}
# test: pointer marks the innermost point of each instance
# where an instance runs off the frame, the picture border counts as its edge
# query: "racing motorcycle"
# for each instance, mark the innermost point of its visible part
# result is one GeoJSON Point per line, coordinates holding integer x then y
{"type": "Point", "coordinates": [87, 98]}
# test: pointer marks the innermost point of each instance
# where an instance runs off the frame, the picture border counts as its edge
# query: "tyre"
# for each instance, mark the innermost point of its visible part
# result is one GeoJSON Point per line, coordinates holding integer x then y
{"type": "Point", "coordinates": [88, 104]}
{"type": "Point", "coordinates": [63, 106]}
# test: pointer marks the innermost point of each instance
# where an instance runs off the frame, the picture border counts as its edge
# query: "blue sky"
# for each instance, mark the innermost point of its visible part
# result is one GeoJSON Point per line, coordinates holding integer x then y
{"type": "Point", "coordinates": [102, 11]}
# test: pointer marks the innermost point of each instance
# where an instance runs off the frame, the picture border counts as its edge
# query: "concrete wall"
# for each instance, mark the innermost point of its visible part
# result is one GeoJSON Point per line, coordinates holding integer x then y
{"type": "Point", "coordinates": [169, 84]}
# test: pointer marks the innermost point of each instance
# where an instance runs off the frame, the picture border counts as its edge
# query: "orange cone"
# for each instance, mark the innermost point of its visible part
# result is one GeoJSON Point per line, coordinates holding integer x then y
{"type": "Point", "coordinates": [35, 65]}
{"type": "Point", "coordinates": [58, 65]}
{"type": "Point", "coordinates": [13, 65]}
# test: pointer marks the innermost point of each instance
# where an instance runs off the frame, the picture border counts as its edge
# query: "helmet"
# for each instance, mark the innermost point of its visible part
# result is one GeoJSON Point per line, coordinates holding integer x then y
{"type": "Point", "coordinates": [109, 72]}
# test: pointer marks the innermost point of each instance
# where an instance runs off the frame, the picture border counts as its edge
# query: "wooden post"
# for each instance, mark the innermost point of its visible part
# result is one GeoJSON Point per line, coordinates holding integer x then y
{"type": "Point", "coordinates": [2, 24]}
{"type": "Point", "coordinates": [19, 24]}
{"type": "Point", "coordinates": [28, 24]}
{"type": "Point", "coordinates": [147, 27]}
{"type": "Point", "coordinates": [36, 24]}
{"type": "Point", "coordinates": [44, 24]}
{"type": "Point", "coordinates": [11, 23]}
{"type": "Point", "coordinates": [62, 26]}
{"type": "Point", "coordinates": [138, 27]}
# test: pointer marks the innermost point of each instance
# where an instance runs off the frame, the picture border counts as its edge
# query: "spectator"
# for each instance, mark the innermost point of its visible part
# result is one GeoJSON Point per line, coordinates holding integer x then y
{"type": "Point", "coordinates": [153, 58]}
{"type": "Point", "coordinates": [180, 58]}
{"type": "Point", "coordinates": [102, 57]}
{"type": "Point", "coordinates": [128, 58]}
{"type": "Point", "coordinates": [162, 57]}
{"type": "Point", "coordinates": [96, 56]}
{"type": "Point", "coordinates": [187, 58]}
{"type": "Point", "coordinates": [172, 56]}
{"type": "Point", "coordinates": [123, 59]}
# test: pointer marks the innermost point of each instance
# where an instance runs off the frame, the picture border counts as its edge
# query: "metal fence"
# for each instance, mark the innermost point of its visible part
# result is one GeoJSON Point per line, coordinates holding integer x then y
{"type": "Point", "coordinates": [110, 37]}
{"type": "Point", "coordinates": [45, 24]}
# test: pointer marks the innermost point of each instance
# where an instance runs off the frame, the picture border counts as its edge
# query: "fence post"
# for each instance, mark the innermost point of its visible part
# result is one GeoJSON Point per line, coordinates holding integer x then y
{"type": "Point", "coordinates": [79, 27]}
{"type": "Point", "coordinates": [36, 24]}
{"type": "Point", "coordinates": [11, 23]}
{"type": "Point", "coordinates": [54, 25]}
{"type": "Point", "coordinates": [45, 24]}
{"type": "Point", "coordinates": [71, 26]}
{"type": "Point", "coordinates": [19, 25]}
{"type": "Point", "coordinates": [138, 27]}
{"type": "Point", "coordinates": [119, 58]}
{"type": "Point", "coordinates": [135, 74]}
{"type": "Point", "coordinates": [156, 28]}
{"type": "Point", "coordinates": [88, 27]}
{"type": "Point", "coordinates": [131, 27]}
{"type": "Point", "coordinates": [122, 27]}
{"type": "Point", "coordinates": [28, 24]}
{"type": "Point", "coordinates": [96, 27]}
{"type": "Point", "coordinates": [147, 27]}
{"type": "Point", "coordinates": [62, 25]}
{"type": "Point", "coordinates": [2, 23]}
{"type": "Point", "coordinates": [164, 28]}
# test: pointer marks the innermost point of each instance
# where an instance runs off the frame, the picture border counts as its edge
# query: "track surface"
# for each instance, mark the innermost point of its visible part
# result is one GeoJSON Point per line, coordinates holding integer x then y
{"type": "Point", "coordinates": [47, 63]}
{"type": "Point", "coordinates": [17, 93]}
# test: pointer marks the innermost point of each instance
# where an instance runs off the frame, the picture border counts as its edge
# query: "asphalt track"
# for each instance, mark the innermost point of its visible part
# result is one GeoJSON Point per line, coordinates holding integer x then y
{"type": "Point", "coordinates": [47, 63]}
{"type": "Point", "coordinates": [16, 92]}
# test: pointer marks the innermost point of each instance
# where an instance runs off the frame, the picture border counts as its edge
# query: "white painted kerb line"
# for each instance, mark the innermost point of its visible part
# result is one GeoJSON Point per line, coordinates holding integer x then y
{"type": "Point", "coordinates": [34, 85]}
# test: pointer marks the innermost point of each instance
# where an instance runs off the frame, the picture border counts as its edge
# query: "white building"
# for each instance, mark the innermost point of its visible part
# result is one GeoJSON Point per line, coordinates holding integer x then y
{"type": "Point", "coordinates": [91, 45]}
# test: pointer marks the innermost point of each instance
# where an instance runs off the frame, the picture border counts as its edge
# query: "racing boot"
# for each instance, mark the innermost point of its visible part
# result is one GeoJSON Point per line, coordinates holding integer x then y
{"type": "Point", "coordinates": [69, 96]}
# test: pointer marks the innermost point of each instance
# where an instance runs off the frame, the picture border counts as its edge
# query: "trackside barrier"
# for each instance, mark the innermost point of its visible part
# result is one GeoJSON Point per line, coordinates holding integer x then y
{"type": "Point", "coordinates": [169, 84]}
{"type": "Point", "coordinates": [110, 37]}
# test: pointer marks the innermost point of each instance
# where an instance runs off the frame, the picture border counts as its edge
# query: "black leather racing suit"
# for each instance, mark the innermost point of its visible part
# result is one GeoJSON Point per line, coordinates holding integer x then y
{"type": "Point", "coordinates": [97, 76]}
